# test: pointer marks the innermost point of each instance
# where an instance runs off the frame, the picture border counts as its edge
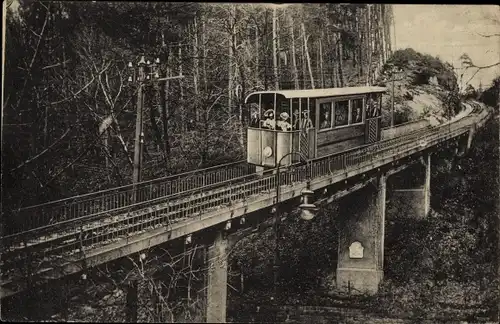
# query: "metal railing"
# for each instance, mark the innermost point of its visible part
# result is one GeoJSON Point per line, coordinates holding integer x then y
{"type": "Point", "coordinates": [172, 209]}
{"type": "Point", "coordinates": [111, 201]}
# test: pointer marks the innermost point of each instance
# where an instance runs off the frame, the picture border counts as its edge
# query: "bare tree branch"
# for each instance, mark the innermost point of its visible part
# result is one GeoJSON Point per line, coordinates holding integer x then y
{"type": "Point", "coordinates": [43, 152]}
{"type": "Point", "coordinates": [488, 36]}
{"type": "Point", "coordinates": [30, 66]}
{"type": "Point", "coordinates": [74, 95]}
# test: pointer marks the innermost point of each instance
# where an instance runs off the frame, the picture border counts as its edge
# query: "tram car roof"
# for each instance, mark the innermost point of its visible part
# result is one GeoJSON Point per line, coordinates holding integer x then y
{"type": "Point", "coordinates": [318, 93]}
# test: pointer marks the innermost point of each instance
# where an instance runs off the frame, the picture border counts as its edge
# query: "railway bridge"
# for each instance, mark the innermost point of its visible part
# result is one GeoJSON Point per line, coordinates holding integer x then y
{"type": "Point", "coordinates": [70, 235]}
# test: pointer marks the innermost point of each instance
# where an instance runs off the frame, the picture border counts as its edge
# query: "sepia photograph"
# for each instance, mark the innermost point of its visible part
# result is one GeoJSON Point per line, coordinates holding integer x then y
{"type": "Point", "coordinates": [259, 162]}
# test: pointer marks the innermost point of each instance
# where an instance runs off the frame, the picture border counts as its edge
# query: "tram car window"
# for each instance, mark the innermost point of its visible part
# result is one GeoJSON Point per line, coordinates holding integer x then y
{"type": "Point", "coordinates": [311, 123]}
{"type": "Point", "coordinates": [356, 111]}
{"type": "Point", "coordinates": [341, 113]}
{"type": "Point", "coordinates": [325, 110]}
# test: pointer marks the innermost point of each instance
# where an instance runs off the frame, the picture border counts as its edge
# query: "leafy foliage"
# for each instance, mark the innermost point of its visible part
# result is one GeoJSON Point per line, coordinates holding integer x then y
{"type": "Point", "coordinates": [426, 66]}
{"type": "Point", "coordinates": [450, 257]}
{"type": "Point", "coordinates": [491, 95]}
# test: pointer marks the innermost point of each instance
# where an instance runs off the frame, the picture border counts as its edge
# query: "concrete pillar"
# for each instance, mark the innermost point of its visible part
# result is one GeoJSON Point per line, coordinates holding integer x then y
{"type": "Point", "coordinates": [413, 198]}
{"type": "Point", "coordinates": [217, 279]}
{"type": "Point", "coordinates": [361, 241]}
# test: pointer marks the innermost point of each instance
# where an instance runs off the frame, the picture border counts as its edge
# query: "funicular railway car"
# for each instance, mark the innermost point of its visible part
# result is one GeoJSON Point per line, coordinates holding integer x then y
{"type": "Point", "coordinates": [315, 123]}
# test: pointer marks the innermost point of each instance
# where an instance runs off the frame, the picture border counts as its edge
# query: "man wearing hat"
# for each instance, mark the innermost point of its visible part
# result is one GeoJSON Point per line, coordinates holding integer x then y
{"type": "Point", "coordinates": [306, 122]}
{"type": "Point", "coordinates": [283, 122]}
{"type": "Point", "coordinates": [254, 116]}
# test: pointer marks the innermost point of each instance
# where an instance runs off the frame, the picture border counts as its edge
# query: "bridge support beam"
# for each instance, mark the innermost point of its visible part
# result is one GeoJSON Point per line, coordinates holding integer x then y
{"type": "Point", "coordinates": [413, 198]}
{"type": "Point", "coordinates": [361, 241]}
{"type": "Point", "coordinates": [217, 279]}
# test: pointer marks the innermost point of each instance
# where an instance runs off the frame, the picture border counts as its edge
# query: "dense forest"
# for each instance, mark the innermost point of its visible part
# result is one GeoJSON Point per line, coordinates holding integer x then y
{"type": "Point", "coordinates": [70, 107]}
{"type": "Point", "coordinates": [69, 123]}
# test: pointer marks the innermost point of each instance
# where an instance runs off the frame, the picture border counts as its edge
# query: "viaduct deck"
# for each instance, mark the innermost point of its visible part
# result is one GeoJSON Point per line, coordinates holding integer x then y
{"type": "Point", "coordinates": [66, 236]}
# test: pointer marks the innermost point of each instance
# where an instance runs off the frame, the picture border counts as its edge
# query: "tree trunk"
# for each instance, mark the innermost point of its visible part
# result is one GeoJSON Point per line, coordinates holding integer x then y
{"type": "Point", "coordinates": [238, 71]}
{"type": "Point", "coordinates": [315, 49]}
{"type": "Point", "coordinates": [362, 42]}
{"type": "Point", "coordinates": [132, 301]}
{"type": "Point", "coordinates": [230, 85]}
{"type": "Point", "coordinates": [181, 85]}
{"type": "Point", "coordinates": [266, 47]}
{"type": "Point", "coordinates": [321, 61]}
{"type": "Point", "coordinates": [340, 53]}
{"type": "Point", "coordinates": [369, 43]}
{"type": "Point", "coordinates": [381, 34]}
{"type": "Point", "coordinates": [46, 120]}
{"type": "Point", "coordinates": [307, 55]}
{"type": "Point", "coordinates": [165, 111]}
{"type": "Point", "coordinates": [331, 58]}
{"type": "Point", "coordinates": [381, 37]}
{"type": "Point", "coordinates": [241, 73]}
{"type": "Point", "coordinates": [387, 31]}
{"type": "Point", "coordinates": [257, 61]}
{"type": "Point", "coordinates": [294, 59]}
{"type": "Point", "coordinates": [303, 61]}
{"type": "Point", "coordinates": [275, 52]}
{"type": "Point", "coordinates": [203, 40]}
{"type": "Point", "coordinates": [278, 50]}
{"type": "Point", "coordinates": [196, 74]}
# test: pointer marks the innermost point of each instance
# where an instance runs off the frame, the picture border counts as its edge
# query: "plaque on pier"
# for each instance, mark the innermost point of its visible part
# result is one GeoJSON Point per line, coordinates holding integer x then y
{"type": "Point", "coordinates": [356, 250]}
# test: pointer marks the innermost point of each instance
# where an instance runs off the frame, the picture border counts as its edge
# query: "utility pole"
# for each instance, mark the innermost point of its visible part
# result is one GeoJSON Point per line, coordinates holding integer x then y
{"type": "Point", "coordinates": [141, 78]}
{"type": "Point", "coordinates": [139, 134]}
{"type": "Point", "coordinates": [275, 50]}
{"type": "Point", "coordinates": [392, 99]}
{"type": "Point", "coordinates": [392, 104]}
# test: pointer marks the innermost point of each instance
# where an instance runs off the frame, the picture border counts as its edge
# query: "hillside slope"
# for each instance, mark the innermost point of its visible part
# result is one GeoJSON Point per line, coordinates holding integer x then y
{"type": "Point", "coordinates": [424, 87]}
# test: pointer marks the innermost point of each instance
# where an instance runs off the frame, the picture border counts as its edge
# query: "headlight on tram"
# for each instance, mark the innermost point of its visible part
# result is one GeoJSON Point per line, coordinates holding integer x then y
{"type": "Point", "coordinates": [267, 151]}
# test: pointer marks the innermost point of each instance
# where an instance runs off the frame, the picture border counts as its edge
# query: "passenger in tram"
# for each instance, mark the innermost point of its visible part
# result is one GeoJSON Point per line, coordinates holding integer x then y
{"type": "Point", "coordinates": [327, 121]}
{"type": "Point", "coordinates": [377, 110]}
{"type": "Point", "coordinates": [269, 123]}
{"type": "Point", "coordinates": [283, 122]}
{"type": "Point", "coordinates": [254, 117]}
{"type": "Point", "coordinates": [296, 119]}
{"type": "Point", "coordinates": [358, 115]}
{"type": "Point", "coordinates": [306, 121]}
{"type": "Point", "coordinates": [374, 109]}
{"type": "Point", "coordinates": [370, 107]}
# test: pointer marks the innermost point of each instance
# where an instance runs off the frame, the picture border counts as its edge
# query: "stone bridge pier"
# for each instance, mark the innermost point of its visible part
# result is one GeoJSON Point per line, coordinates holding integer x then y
{"type": "Point", "coordinates": [361, 239]}
{"type": "Point", "coordinates": [216, 295]}
{"type": "Point", "coordinates": [409, 190]}
{"type": "Point", "coordinates": [210, 258]}
{"type": "Point", "coordinates": [360, 265]}
{"type": "Point", "coordinates": [216, 260]}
